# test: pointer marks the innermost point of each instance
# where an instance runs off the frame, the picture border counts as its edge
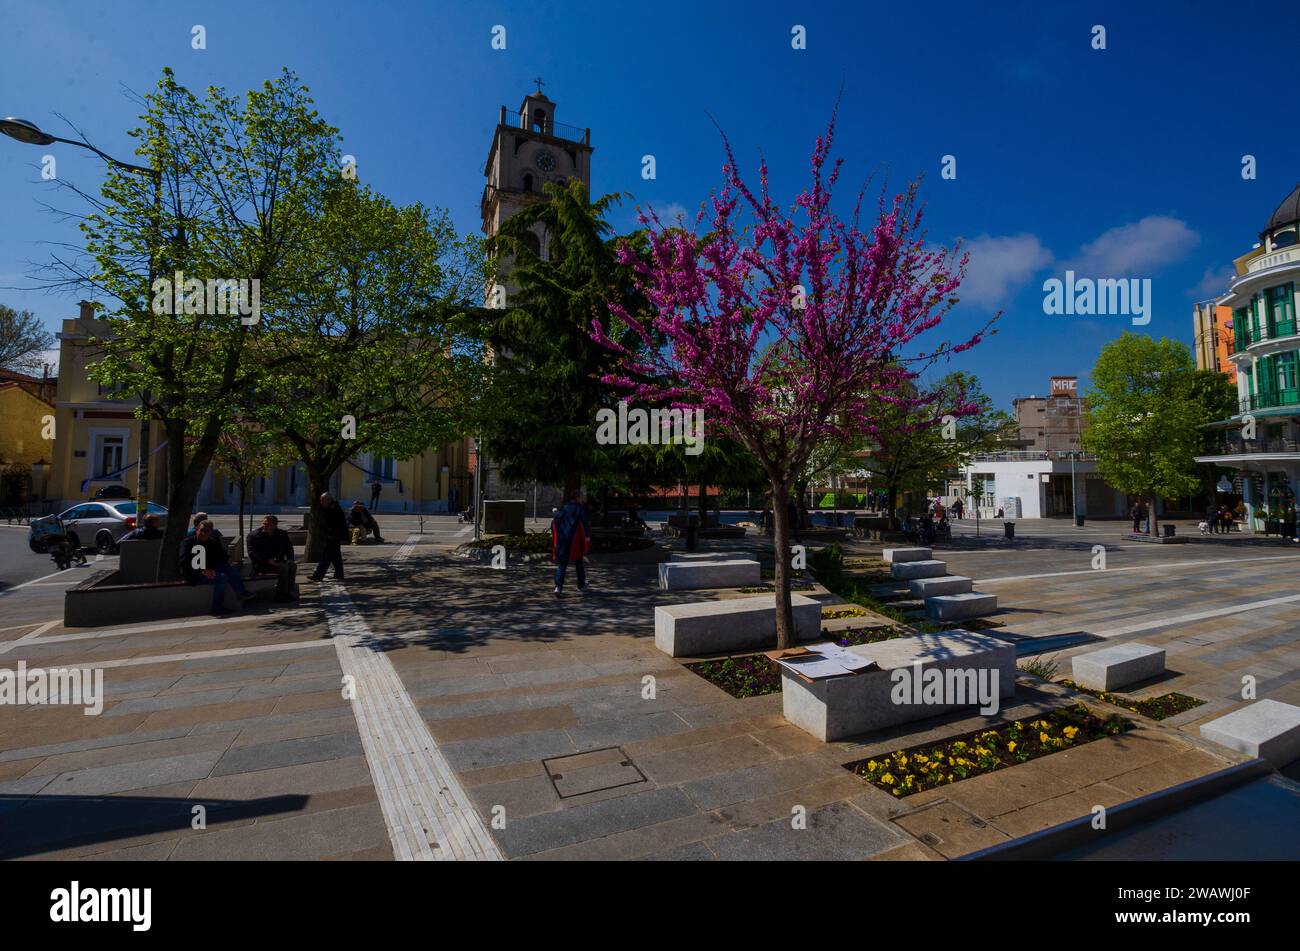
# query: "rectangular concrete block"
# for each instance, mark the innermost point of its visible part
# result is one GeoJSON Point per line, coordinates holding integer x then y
{"type": "Point", "coordinates": [1267, 729]}
{"type": "Point", "coordinates": [138, 561]}
{"type": "Point", "coordinates": [707, 573]}
{"type": "Point", "coordinates": [702, 556]}
{"type": "Point", "coordinates": [839, 707]}
{"type": "Point", "coordinates": [908, 570]}
{"type": "Point", "coordinates": [895, 556]}
{"type": "Point", "coordinates": [1114, 667]}
{"type": "Point", "coordinates": [737, 624]}
{"type": "Point", "coordinates": [944, 584]}
{"type": "Point", "coordinates": [959, 607]}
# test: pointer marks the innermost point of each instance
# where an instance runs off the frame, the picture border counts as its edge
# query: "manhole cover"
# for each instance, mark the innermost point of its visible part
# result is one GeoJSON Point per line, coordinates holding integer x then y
{"type": "Point", "coordinates": [582, 773]}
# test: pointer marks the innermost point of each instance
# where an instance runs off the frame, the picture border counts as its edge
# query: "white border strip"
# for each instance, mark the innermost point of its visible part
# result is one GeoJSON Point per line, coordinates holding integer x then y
{"type": "Point", "coordinates": [428, 814]}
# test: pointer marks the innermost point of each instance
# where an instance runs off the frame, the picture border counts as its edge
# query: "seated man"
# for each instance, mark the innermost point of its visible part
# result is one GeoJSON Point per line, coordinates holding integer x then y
{"type": "Point", "coordinates": [271, 552]}
{"type": "Point", "coordinates": [151, 529]}
{"type": "Point", "coordinates": [204, 561]}
{"type": "Point", "coordinates": [200, 517]}
{"type": "Point", "coordinates": [360, 518]}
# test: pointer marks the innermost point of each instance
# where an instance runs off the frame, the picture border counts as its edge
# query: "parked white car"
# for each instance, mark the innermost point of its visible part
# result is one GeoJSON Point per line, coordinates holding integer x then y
{"type": "Point", "coordinates": [99, 524]}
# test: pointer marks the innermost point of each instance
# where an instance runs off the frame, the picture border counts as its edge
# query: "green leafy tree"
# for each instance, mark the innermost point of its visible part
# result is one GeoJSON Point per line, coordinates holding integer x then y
{"type": "Point", "coordinates": [241, 180]}
{"type": "Point", "coordinates": [538, 418]}
{"type": "Point", "coordinates": [1145, 418]}
{"type": "Point", "coordinates": [932, 435]}
{"type": "Point", "coordinates": [371, 357]}
{"type": "Point", "coordinates": [245, 452]}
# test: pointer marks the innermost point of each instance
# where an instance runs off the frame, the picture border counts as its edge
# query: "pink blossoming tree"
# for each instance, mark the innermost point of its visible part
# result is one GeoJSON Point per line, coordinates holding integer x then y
{"type": "Point", "coordinates": [788, 327]}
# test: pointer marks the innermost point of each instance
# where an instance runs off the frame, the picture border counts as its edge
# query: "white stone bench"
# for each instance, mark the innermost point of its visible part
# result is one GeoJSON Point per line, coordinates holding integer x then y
{"type": "Point", "coordinates": [1114, 667]}
{"type": "Point", "coordinates": [1267, 729]}
{"type": "Point", "coordinates": [960, 607]}
{"type": "Point", "coordinates": [736, 624]}
{"type": "Point", "coordinates": [896, 556]}
{"type": "Point", "coordinates": [943, 584]}
{"type": "Point", "coordinates": [848, 705]}
{"type": "Point", "coordinates": [909, 570]}
{"type": "Point", "coordinates": [696, 575]}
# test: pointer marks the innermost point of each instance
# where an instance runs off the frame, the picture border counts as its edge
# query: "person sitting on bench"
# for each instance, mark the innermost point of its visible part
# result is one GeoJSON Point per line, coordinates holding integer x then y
{"type": "Point", "coordinates": [271, 552]}
{"type": "Point", "coordinates": [360, 518]}
{"type": "Point", "coordinates": [204, 561]}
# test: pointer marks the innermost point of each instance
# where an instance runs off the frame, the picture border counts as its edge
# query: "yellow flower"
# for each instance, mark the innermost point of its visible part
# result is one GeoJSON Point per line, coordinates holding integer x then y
{"type": "Point", "coordinates": [1043, 737]}
{"type": "Point", "coordinates": [1070, 731]}
{"type": "Point", "coordinates": [871, 765]}
{"type": "Point", "coordinates": [1011, 747]}
{"type": "Point", "coordinates": [888, 779]}
{"type": "Point", "coordinates": [1019, 725]}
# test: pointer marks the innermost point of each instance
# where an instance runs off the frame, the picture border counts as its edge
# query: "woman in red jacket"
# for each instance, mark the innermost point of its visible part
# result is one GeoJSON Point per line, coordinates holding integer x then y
{"type": "Point", "coordinates": [571, 540]}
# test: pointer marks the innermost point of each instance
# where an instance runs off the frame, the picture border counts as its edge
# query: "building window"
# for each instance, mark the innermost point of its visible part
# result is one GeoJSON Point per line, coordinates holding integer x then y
{"type": "Point", "coordinates": [108, 455]}
{"type": "Point", "coordinates": [385, 469]}
{"type": "Point", "coordinates": [528, 181]}
{"type": "Point", "coordinates": [1286, 371]}
{"type": "Point", "coordinates": [1284, 239]}
{"type": "Point", "coordinates": [1281, 307]}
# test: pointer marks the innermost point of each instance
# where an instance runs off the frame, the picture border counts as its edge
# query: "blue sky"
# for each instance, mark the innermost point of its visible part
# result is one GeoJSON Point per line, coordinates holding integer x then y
{"type": "Point", "coordinates": [1117, 162]}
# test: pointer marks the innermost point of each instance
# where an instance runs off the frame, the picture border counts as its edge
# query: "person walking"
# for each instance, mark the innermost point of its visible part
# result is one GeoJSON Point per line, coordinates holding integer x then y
{"type": "Point", "coordinates": [271, 552]}
{"type": "Point", "coordinates": [204, 561]}
{"type": "Point", "coordinates": [1137, 513]}
{"type": "Point", "coordinates": [335, 528]}
{"type": "Point", "coordinates": [375, 488]}
{"type": "Point", "coordinates": [571, 540]}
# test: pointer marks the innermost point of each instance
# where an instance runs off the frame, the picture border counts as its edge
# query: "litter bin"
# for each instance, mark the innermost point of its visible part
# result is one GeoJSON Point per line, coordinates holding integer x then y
{"type": "Point", "coordinates": [1078, 521]}
{"type": "Point", "coordinates": [692, 537]}
{"type": "Point", "coordinates": [1009, 529]}
{"type": "Point", "coordinates": [1169, 530]}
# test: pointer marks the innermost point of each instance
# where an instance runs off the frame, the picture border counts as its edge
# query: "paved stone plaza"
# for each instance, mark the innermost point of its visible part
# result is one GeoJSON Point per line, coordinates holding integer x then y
{"type": "Point", "coordinates": [481, 697]}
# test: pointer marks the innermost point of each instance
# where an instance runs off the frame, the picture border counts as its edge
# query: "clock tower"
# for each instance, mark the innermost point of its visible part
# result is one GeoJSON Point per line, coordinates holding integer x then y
{"type": "Point", "coordinates": [530, 148]}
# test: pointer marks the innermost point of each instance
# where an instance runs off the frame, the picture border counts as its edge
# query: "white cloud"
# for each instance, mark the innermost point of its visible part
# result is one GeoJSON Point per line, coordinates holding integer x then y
{"type": "Point", "coordinates": [1137, 249]}
{"type": "Point", "coordinates": [1214, 282]}
{"type": "Point", "coordinates": [1000, 267]}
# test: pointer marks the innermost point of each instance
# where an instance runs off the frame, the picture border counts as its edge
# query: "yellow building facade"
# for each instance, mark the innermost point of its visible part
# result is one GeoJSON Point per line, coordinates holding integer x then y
{"type": "Point", "coordinates": [97, 444]}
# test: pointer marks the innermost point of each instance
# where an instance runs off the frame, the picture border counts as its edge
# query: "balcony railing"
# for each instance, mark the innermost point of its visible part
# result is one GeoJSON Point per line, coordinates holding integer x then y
{"type": "Point", "coordinates": [1270, 399]}
{"type": "Point", "coordinates": [1234, 445]}
{"type": "Point", "coordinates": [1275, 330]}
{"type": "Point", "coordinates": [1031, 455]}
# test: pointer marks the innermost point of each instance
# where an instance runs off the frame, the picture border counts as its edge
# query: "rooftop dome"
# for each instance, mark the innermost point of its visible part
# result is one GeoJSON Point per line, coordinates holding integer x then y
{"type": "Point", "coordinates": [1287, 213]}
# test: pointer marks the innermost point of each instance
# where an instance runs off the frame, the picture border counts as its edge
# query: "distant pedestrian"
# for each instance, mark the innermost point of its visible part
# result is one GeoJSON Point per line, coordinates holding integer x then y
{"type": "Point", "coordinates": [375, 488]}
{"type": "Point", "coordinates": [453, 498]}
{"type": "Point", "coordinates": [959, 509]}
{"type": "Point", "coordinates": [571, 540]}
{"type": "Point", "coordinates": [1138, 513]}
{"type": "Point", "coordinates": [334, 526]}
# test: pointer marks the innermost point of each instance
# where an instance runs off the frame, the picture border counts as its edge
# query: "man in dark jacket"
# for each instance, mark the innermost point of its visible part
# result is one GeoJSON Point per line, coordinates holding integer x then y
{"type": "Point", "coordinates": [335, 527]}
{"type": "Point", "coordinates": [271, 552]}
{"type": "Point", "coordinates": [204, 561]}
{"type": "Point", "coordinates": [360, 518]}
{"type": "Point", "coordinates": [571, 533]}
{"type": "Point", "coordinates": [150, 530]}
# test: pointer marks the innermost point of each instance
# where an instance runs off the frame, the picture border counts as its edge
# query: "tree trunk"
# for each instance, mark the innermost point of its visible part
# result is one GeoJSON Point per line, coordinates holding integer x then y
{"type": "Point", "coordinates": [891, 510]}
{"type": "Point", "coordinates": [1151, 518]}
{"type": "Point", "coordinates": [241, 512]}
{"type": "Point", "coordinates": [704, 506]}
{"type": "Point", "coordinates": [320, 484]}
{"type": "Point", "coordinates": [183, 490]}
{"type": "Point", "coordinates": [781, 551]}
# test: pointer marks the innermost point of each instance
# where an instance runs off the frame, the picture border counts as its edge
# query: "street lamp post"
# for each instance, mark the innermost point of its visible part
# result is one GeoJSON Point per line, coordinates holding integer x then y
{"type": "Point", "coordinates": [31, 134]}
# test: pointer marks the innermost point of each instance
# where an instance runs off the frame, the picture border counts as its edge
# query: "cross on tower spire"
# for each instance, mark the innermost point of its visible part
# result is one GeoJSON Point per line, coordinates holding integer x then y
{"type": "Point", "coordinates": [539, 82]}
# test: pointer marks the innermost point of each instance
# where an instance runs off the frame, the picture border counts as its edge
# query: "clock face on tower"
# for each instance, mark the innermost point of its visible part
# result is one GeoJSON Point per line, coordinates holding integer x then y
{"type": "Point", "coordinates": [545, 161]}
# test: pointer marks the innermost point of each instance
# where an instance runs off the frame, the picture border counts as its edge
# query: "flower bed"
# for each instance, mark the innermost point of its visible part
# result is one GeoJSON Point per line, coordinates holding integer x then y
{"type": "Point", "coordinates": [867, 635]}
{"type": "Point", "coordinates": [909, 771]}
{"type": "Point", "coordinates": [752, 675]}
{"type": "Point", "coordinates": [850, 611]}
{"type": "Point", "coordinates": [1156, 708]}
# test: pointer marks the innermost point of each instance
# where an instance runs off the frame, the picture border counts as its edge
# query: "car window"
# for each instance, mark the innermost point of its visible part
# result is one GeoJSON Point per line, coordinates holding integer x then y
{"type": "Point", "coordinates": [95, 511]}
{"type": "Point", "coordinates": [74, 512]}
{"type": "Point", "coordinates": [128, 508]}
